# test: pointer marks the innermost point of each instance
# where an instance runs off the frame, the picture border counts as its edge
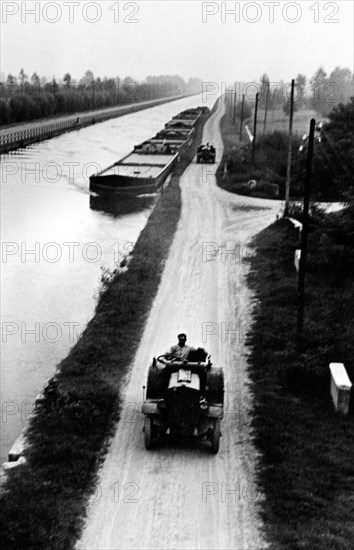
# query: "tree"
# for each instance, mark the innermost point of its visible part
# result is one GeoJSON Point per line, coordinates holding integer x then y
{"type": "Point", "coordinates": [130, 88]}
{"type": "Point", "coordinates": [333, 160]}
{"type": "Point", "coordinates": [264, 83]}
{"type": "Point", "coordinates": [338, 139]}
{"type": "Point", "coordinates": [67, 80]}
{"type": "Point", "coordinates": [11, 84]}
{"type": "Point", "coordinates": [22, 78]}
{"type": "Point", "coordinates": [5, 112]}
{"type": "Point", "coordinates": [35, 82]}
{"type": "Point", "coordinates": [317, 84]}
{"type": "Point", "coordinates": [277, 95]}
{"type": "Point", "coordinates": [300, 83]}
{"type": "Point", "coordinates": [65, 96]}
{"type": "Point", "coordinates": [341, 85]}
{"type": "Point", "coordinates": [87, 79]}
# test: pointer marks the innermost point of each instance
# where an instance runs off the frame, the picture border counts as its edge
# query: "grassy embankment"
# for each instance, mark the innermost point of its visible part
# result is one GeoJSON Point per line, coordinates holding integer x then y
{"type": "Point", "coordinates": [45, 499]}
{"type": "Point", "coordinates": [87, 118]}
{"type": "Point", "coordinates": [99, 114]}
{"type": "Point", "coordinates": [269, 168]}
{"type": "Point", "coordinates": [306, 468]}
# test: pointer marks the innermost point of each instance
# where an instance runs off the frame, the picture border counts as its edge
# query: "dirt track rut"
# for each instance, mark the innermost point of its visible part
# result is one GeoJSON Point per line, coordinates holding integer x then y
{"type": "Point", "coordinates": [177, 497]}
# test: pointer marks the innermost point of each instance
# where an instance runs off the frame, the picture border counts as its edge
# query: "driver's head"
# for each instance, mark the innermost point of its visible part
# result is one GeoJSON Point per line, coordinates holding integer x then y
{"type": "Point", "coordinates": [182, 339]}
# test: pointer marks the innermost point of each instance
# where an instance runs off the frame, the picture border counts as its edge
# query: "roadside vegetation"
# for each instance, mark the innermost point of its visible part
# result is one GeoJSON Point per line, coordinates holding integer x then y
{"type": "Point", "coordinates": [44, 500]}
{"type": "Point", "coordinates": [236, 169]}
{"type": "Point", "coordinates": [306, 467]}
{"type": "Point", "coordinates": [265, 175]}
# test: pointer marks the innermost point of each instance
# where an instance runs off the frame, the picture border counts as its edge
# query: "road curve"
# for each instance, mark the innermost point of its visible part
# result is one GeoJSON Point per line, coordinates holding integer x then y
{"type": "Point", "coordinates": [183, 497]}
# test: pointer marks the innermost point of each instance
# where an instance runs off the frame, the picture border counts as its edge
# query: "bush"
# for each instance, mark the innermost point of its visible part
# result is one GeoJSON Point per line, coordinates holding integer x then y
{"type": "Point", "coordinates": [306, 451]}
{"type": "Point", "coordinates": [5, 112]}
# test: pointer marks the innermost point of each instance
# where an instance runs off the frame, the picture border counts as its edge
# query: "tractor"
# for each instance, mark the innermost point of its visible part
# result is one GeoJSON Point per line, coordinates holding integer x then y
{"type": "Point", "coordinates": [183, 400]}
{"type": "Point", "coordinates": [206, 154]}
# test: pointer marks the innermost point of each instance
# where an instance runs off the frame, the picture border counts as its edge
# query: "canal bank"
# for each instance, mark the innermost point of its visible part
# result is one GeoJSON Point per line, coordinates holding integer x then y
{"type": "Point", "coordinates": [21, 135]}
{"type": "Point", "coordinates": [45, 199]}
{"type": "Point", "coordinates": [70, 430]}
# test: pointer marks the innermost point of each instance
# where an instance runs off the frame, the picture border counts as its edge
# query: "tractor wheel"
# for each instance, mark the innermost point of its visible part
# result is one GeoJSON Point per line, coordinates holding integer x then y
{"type": "Point", "coordinates": [215, 383]}
{"type": "Point", "coordinates": [215, 437]}
{"type": "Point", "coordinates": [148, 428]}
{"type": "Point", "coordinates": [156, 383]}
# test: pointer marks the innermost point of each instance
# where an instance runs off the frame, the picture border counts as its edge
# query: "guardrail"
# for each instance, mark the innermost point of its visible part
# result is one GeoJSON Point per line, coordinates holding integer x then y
{"type": "Point", "coordinates": [31, 134]}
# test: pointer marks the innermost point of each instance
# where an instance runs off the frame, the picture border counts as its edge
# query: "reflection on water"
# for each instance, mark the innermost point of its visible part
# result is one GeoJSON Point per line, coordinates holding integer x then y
{"type": "Point", "coordinates": [57, 239]}
{"type": "Point", "coordinates": [117, 206]}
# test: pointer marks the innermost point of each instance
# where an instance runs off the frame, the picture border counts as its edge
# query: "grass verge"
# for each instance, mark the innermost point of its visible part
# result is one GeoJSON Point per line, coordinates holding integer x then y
{"type": "Point", "coordinates": [44, 500]}
{"type": "Point", "coordinates": [268, 171]}
{"type": "Point", "coordinates": [236, 170]}
{"type": "Point", "coordinates": [306, 469]}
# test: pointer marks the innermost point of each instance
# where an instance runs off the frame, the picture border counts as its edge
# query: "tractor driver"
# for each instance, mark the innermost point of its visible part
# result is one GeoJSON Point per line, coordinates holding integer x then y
{"type": "Point", "coordinates": [181, 350]}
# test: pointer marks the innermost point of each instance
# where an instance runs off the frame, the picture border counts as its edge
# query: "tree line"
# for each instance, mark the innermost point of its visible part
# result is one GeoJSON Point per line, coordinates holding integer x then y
{"type": "Point", "coordinates": [333, 162]}
{"type": "Point", "coordinates": [322, 92]}
{"type": "Point", "coordinates": [333, 159]}
{"type": "Point", "coordinates": [23, 98]}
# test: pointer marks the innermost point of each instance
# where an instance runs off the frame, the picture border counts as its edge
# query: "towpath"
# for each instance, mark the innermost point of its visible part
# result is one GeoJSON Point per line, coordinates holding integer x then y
{"type": "Point", "coordinates": [182, 497]}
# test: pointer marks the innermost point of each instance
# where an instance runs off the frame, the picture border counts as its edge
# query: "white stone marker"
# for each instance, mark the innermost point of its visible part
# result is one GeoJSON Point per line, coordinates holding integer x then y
{"type": "Point", "coordinates": [340, 387]}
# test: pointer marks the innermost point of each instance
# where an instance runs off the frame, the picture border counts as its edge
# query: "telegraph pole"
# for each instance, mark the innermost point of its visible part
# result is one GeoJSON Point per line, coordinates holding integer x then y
{"type": "Point", "coordinates": [255, 128]}
{"type": "Point", "coordinates": [266, 110]}
{"type": "Point", "coordinates": [242, 109]}
{"type": "Point", "coordinates": [304, 233]}
{"type": "Point", "coordinates": [288, 168]}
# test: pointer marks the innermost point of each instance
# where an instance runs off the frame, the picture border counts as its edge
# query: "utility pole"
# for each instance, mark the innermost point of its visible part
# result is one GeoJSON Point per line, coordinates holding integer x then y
{"type": "Point", "coordinates": [304, 233]}
{"type": "Point", "coordinates": [266, 110]}
{"type": "Point", "coordinates": [288, 168]}
{"type": "Point", "coordinates": [255, 128]}
{"type": "Point", "coordinates": [234, 110]}
{"type": "Point", "coordinates": [242, 109]}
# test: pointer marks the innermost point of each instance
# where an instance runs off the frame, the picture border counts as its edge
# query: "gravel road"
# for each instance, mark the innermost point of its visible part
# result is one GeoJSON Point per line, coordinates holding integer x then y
{"type": "Point", "coordinates": [183, 497]}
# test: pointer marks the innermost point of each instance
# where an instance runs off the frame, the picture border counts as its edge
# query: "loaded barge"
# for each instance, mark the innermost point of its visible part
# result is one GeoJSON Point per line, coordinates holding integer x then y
{"type": "Point", "coordinates": [145, 169]}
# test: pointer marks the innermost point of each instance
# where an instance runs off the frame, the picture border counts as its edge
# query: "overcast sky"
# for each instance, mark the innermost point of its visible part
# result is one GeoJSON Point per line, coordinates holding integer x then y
{"type": "Point", "coordinates": [190, 38]}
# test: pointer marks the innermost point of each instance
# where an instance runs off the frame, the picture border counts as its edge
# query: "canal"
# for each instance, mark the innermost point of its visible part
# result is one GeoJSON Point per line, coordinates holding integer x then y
{"type": "Point", "coordinates": [57, 241]}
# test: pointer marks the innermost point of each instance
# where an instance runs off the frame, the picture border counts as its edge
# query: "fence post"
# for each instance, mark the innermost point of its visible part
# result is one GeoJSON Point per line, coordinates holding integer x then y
{"type": "Point", "coordinates": [340, 387]}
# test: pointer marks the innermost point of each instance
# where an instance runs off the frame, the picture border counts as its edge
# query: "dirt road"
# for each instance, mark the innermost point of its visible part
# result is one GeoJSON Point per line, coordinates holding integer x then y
{"type": "Point", "coordinates": [185, 497]}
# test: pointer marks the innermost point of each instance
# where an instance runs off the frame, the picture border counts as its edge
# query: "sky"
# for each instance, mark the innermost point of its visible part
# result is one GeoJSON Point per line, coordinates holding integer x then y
{"type": "Point", "coordinates": [186, 37]}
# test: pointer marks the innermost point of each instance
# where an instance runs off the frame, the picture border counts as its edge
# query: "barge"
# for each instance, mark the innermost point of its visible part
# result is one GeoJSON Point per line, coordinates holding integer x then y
{"type": "Point", "coordinates": [145, 169]}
